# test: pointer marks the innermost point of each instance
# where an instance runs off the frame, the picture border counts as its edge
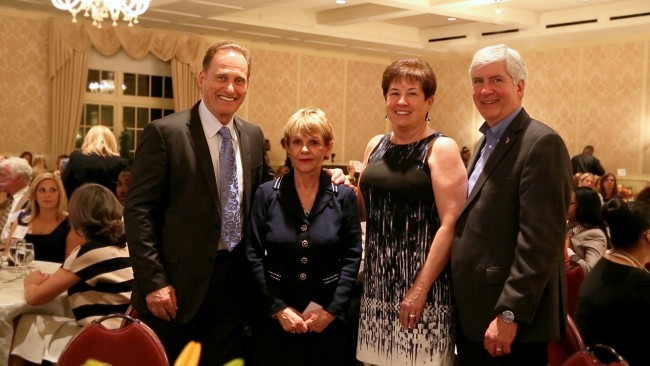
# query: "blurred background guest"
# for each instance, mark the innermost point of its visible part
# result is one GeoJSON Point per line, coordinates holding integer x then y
{"type": "Point", "coordinates": [61, 162]}
{"type": "Point", "coordinates": [587, 238]}
{"type": "Point", "coordinates": [27, 156]}
{"type": "Point", "coordinates": [643, 195]}
{"type": "Point", "coordinates": [615, 297]}
{"type": "Point", "coordinates": [608, 188]}
{"type": "Point", "coordinates": [45, 222]}
{"type": "Point", "coordinates": [586, 162]}
{"type": "Point", "coordinates": [304, 278]}
{"type": "Point", "coordinates": [98, 161]}
{"type": "Point", "coordinates": [587, 180]}
{"type": "Point", "coordinates": [97, 277]}
{"type": "Point", "coordinates": [122, 187]}
{"type": "Point", "coordinates": [39, 165]}
{"type": "Point", "coordinates": [15, 178]}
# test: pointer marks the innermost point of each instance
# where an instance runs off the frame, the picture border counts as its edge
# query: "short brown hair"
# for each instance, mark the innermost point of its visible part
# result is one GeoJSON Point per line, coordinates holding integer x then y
{"type": "Point", "coordinates": [411, 69]}
{"type": "Point", "coordinates": [226, 45]}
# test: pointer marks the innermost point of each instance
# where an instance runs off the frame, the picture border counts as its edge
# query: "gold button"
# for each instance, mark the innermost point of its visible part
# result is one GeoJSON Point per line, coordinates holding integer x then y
{"type": "Point", "coordinates": [303, 260]}
{"type": "Point", "coordinates": [304, 243]}
{"type": "Point", "coordinates": [304, 228]}
{"type": "Point", "coordinates": [303, 276]}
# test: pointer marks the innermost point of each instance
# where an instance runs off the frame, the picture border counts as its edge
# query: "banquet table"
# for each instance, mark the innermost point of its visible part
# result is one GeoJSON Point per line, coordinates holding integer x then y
{"type": "Point", "coordinates": [12, 303]}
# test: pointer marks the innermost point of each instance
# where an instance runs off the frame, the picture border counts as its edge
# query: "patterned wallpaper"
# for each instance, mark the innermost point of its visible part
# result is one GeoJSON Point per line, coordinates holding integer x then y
{"type": "Point", "coordinates": [24, 86]}
{"type": "Point", "coordinates": [594, 94]}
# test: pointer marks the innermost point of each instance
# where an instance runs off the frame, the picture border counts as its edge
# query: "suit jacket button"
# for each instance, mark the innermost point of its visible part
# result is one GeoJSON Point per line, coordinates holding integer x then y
{"type": "Point", "coordinates": [304, 243]}
{"type": "Point", "coordinates": [304, 228]}
{"type": "Point", "coordinates": [303, 260]}
{"type": "Point", "coordinates": [303, 276]}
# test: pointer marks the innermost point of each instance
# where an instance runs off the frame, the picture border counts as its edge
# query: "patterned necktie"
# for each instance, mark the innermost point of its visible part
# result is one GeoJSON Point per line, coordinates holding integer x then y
{"type": "Point", "coordinates": [230, 214]}
{"type": "Point", "coordinates": [5, 210]}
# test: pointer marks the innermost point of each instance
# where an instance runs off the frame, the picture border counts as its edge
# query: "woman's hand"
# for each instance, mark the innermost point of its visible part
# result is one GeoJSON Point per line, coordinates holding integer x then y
{"type": "Point", "coordinates": [412, 306]}
{"type": "Point", "coordinates": [35, 278]}
{"type": "Point", "coordinates": [318, 320]}
{"type": "Point", "coordinates": [291, 320]}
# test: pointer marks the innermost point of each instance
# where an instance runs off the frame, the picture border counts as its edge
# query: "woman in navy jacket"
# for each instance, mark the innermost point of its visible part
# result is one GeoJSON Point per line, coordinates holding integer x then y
{"type": "Point", "coordinates": [304, 252]}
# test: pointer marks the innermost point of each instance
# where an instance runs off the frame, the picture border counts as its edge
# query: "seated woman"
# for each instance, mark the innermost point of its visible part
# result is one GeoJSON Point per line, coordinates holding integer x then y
{"type": "Point", "coordinates": [45, 223]}
{"type": "Point", "coordinates": [586, 180]}
{"type": "Point", "coordinates": [587, 240]}
{"type": "Point", "coordinates": [97, 277]}
{"type": "Point", "coordinates": [304, 253]}
{"type": "Point", "coordinates": [615, 297]}
{"type": "Point", "coordinates": [608, 187]}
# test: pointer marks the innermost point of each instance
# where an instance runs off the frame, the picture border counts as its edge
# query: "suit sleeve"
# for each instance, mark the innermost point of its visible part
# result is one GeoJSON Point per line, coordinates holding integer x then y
{"type": "Point", "coordinates": [349, 257]}
{"type": "Point", "coordinates": [544, 193]}
{"type": "Point", "coordinates": [269, 294]}
{"type": "Point", "coordinates": [143, 209]}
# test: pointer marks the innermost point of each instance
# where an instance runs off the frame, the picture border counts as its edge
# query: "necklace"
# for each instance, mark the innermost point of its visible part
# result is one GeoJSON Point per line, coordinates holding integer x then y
{"type": "Point", "coordinates": [628, 258]}
{"type": "Point", "coordinates": [306, 211]}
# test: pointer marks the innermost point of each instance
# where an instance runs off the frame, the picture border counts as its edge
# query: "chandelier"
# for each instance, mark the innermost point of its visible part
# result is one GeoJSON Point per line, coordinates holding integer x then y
{"type": "Point", "coordinates": [99, 10]}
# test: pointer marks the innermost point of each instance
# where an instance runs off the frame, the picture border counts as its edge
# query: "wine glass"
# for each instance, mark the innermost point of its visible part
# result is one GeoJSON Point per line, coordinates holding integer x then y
{"type": "Point", "coordinates": [24, 256]}
{"type": "Point", "coordinates": [13, 246]}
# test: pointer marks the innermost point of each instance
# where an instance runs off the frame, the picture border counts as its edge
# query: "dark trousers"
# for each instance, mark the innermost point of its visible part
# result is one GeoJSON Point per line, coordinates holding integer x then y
{"type": "Point", "coordinates": [472, 353]}
{"type": "Point", "coordinates": [219, 324]}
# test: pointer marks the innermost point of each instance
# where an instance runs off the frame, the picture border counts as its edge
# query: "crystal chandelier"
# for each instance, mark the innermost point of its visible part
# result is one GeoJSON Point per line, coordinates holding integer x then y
{"type": "Point", "coordinates": [99, 10]}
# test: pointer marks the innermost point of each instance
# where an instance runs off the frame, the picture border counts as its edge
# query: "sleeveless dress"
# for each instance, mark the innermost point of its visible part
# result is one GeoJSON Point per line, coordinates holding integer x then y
{"type": "Point", "coordinates": [47, 247]}
{"type": "Point", "coordinates": [402, 220]}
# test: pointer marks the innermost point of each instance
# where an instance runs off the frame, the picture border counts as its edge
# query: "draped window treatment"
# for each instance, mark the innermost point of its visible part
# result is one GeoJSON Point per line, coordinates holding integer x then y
{"type": "Point", "coordinates": [70, 46]}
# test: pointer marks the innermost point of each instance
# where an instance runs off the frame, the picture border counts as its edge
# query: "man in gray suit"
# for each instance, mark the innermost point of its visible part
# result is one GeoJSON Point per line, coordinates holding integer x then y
{"type": "Point", "coordinates": [188, 285]}
{"type": "Point", "coordinates": [507, 260]}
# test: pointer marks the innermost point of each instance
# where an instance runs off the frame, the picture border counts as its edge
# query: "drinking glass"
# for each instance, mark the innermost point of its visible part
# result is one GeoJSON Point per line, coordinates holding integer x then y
{"type": "Point", "coordinates": [13, 246]}
{"type": "Point", "coordinates": [24, 256]}
{"type": "Point", "coordinates": [19, 258]}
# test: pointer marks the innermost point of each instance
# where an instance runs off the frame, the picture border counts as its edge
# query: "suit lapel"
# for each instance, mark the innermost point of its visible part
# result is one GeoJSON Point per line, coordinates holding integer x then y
{"type": "Point", "coordinates": [506, 142]}
{"type": "Point", "coordinates": [202, 153]}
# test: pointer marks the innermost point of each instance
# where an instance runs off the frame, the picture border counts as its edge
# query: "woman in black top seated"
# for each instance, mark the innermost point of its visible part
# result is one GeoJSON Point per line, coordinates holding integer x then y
{"type": "Point", "coordinates": [615, 297]}
{"type": "Point", "coordinates": [45, 222]}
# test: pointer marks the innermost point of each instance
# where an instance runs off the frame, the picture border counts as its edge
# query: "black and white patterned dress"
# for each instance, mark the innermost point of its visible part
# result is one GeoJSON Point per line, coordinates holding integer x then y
{"type": "Point", "coordinates": [402, 220]}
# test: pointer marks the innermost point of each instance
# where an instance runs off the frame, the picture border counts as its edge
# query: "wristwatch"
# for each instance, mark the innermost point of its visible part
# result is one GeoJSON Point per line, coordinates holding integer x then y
{"type": "Point", "coordinates": [508, 316]}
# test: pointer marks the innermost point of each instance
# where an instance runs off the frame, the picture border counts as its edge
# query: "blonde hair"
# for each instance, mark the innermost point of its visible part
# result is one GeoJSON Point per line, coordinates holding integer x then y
{"type": "Point", "coordinates": [101, 141]}
{"type": "Point", "coordinates": [34, 207]}
{"type": "Point", "coordinates": [309, 121]}
{"type": "Point", "coordinates": [39, 165]}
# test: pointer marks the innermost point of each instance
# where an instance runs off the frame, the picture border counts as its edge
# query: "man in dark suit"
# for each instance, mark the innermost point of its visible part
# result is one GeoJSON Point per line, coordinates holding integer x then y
{"type": "Point", "coordinates": [507, 262]}
{"type": "Point", "coordinates": [188, 285]}
{"type": "Point", "coordinates": [587, 162]}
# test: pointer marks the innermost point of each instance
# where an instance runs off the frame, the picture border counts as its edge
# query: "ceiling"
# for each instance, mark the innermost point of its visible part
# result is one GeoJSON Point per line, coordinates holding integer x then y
{"type": "Point", "coordinates": [393, 27]}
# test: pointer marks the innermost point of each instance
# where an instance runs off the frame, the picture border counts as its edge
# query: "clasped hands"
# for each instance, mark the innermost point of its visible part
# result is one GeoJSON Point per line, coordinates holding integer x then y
{"type": "Point", "coordinates": [293, 321]}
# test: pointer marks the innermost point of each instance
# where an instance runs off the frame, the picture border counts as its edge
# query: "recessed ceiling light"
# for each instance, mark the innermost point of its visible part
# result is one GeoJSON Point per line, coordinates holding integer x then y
{"type": "Point", "coordinates": [341, 2]}
{"type": "Point", "coordinates": [451, 19]}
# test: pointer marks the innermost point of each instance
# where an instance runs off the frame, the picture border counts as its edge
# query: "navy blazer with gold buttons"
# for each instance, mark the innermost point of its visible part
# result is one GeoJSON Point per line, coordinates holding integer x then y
{"type": "Point", "coordinates": [297, 258]}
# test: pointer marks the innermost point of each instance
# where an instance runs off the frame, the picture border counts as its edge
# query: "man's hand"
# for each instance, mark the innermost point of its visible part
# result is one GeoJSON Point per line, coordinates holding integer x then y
{"type": "Point", "coordinates": [338, 177]}
{"type": "Point", "coordinates": [162, 303]}
{"type": "Point", "coordinates": [499, 336]}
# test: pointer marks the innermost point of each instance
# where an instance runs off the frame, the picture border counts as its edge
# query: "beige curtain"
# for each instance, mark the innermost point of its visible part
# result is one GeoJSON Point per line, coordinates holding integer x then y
{"type": "Point", "coordinates": [69, 51]}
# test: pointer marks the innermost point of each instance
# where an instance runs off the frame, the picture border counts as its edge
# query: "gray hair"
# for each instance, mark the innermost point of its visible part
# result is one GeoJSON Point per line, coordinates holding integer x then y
{"type": "Point", "coordinates": [515, 65]}
{"type": "Point", "coordinates": [18, 167]}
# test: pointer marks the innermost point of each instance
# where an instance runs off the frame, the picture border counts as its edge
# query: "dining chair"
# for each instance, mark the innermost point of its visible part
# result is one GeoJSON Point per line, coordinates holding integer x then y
{"type": "Point", "coordinates": [132, 344]}
{"type": "Point", "coordinates": [559, 351]}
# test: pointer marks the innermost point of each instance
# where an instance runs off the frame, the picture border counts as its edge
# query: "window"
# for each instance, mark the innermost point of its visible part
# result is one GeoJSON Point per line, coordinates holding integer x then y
{"type": "Point", "coordinates": [124, 95]}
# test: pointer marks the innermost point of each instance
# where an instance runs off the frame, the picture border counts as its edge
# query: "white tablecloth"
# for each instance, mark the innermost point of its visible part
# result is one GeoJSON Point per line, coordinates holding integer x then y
{"type": "Point", "coordinates": [12, 304]}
